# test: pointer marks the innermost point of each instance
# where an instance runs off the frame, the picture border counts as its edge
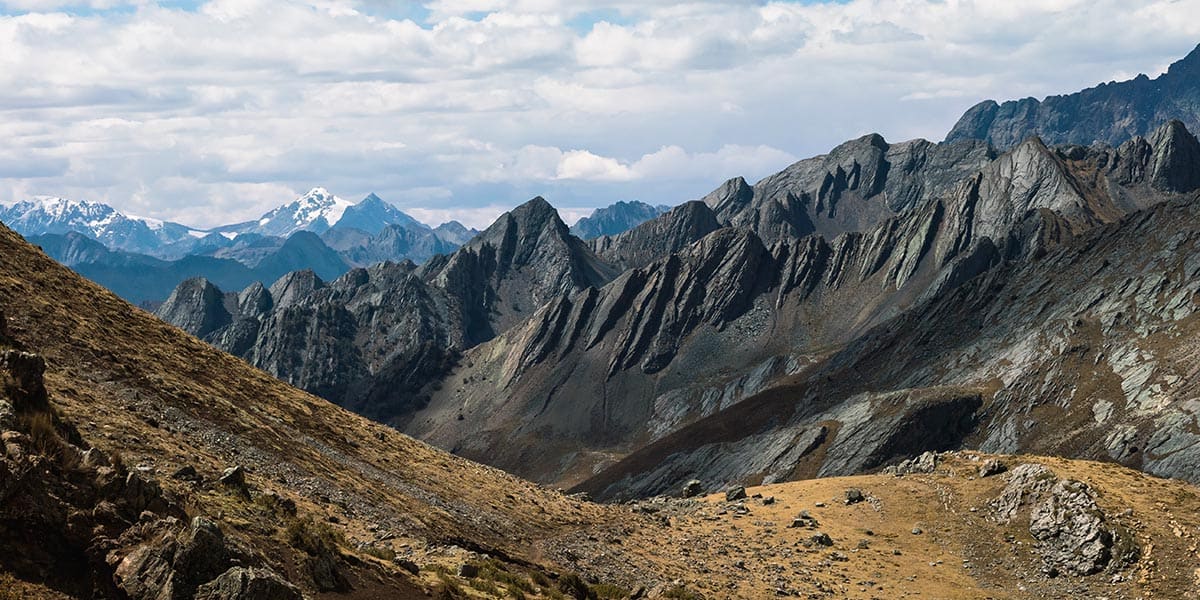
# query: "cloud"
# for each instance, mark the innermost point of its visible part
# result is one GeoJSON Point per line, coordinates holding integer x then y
{"type": "Point", "coordinates": [218, 110]}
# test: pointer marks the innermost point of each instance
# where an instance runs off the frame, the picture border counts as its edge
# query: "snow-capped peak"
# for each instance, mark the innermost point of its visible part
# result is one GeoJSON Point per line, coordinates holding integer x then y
{"type": "Point", "coordinates": [315, 211]}
{"type": "Point", "coordinates": [43, 215]}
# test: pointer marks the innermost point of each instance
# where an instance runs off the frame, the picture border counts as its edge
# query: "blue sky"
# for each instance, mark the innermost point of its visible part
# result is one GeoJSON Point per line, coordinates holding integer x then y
{"type": "Point", "coordinates": [216, 111]}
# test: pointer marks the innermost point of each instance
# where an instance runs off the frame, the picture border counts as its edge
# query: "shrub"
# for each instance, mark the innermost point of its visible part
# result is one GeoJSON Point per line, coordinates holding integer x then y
{"type": "Point", "coordinates": [608, 591]}
{"type": "Point", "coordinates": [315, 539]}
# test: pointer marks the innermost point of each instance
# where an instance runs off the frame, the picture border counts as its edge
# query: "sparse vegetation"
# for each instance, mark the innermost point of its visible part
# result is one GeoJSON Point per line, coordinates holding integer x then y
{"type": "Point", "coordinates": [682, 593]}
{"type": "Point", "coordinates": [380, 552]}
{"type": "Point", "coordinates": [486, 586]}
{"type": "Point", "coordinates": [608, 591]}
{"type": "Point", "coordinates": [448, 589]}
{"type": "Point", "coordinates": [494, 570]}
{"type": "Point", "coordinates": [312, 537]}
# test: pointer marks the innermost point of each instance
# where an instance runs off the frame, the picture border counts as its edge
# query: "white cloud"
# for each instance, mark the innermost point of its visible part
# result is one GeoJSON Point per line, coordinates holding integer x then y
{"type": "Point", "coordinates": [470, 107]}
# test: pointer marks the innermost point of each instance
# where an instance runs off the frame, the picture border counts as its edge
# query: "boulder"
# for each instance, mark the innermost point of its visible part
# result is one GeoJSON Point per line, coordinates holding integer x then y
{"type": "Point", "coordinates": [27, 390]}
{"type": "Point", "coordinates": [240, 583]}
{"type": "Point", "coordinates": [991, 467]}
{"type": "Point", "coordinates": [854, 496]}
{"type": "Point", "coordinates": [692, 489]}
{"type": "Point", "coordinates": [234, 477]}
{"type": "Point", "coordinates": [737, 493]}
{"type": "Point", "coordinates": [1072, 529]}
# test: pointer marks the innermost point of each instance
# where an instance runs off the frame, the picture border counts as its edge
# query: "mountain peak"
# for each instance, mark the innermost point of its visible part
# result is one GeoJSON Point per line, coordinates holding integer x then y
{"type": "Point", "coordinates": [1188, 65]}
{"type": "Point", "coordinates": [371, 199]}
{"type": "Point", "coordinates": [533, 215]}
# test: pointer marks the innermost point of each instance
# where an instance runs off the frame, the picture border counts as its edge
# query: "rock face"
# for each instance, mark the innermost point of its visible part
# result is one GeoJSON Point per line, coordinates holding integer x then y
{"type": "Point", "coordinates": [616, 219]}
{"type": "Point", "coordinates": [1111, 113]}
{"type": "Point", "coordinates": [854, 188]}
{"type": "Point", "coordinates": [247, 584]}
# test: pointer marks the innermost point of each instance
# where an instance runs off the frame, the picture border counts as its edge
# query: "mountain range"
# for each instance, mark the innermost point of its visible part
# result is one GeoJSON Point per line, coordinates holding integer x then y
{"type": "Point", "coordinates": [745, 337]}
{"type": "Point", "coordinates": [144, 259]}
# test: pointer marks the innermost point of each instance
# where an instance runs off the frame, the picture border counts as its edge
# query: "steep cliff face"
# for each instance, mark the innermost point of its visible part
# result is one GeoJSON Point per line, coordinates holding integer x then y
{"type": "Point", "coordinates": [1110, 113]}
{"type": "Point", "coordinates": [603, 371]}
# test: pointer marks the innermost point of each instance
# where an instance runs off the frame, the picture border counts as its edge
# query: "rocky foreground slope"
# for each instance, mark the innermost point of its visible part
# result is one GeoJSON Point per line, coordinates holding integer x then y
{"type": "Point", "coordinates": [140, 463]}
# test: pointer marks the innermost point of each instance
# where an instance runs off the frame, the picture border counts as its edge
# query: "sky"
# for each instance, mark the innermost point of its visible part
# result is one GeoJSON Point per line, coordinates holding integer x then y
{"type": "Point", "coordinates": [212, 112]}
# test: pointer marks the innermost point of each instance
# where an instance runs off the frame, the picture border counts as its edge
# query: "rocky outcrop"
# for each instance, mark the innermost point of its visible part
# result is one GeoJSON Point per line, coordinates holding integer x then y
{"type": "Point", "coordinates": [240, 583]}
{"type": "Point", "coordinates": [1110, 113]}
{"type": "Point", "coordinates": [615, 219]}
{"type": "Point", "coordinates": [1075, 536]}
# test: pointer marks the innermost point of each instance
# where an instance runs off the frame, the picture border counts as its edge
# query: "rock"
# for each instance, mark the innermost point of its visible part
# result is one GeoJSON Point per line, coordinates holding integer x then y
{"type": "Point", "coordinates": [1072, 528]}
{"type": "Point", "coordinates": [1026, 484]}
{"type": "Point", "coordinates": [917, 531]}
{"type": "Point", "coordinates": [186, 473]}
{"type": "Point", "coordinates": [468, 570]}
{"type": "Point", "coordinates": [769, 500]}
{"type": "Point", "coordinates": [8, 418]}
{"type": "Point", "coordinates": [407, 565]}
{"type": "Point", "coordinates": [1111, 113]}
{"type": "Point", "coordinates": [142, 493]}
{"type": "Point", "coordinates": [820, 539]}
{"type": "Point", "coordinates": [854, 496]}
{"type": "Point", "coordinates": [991, 467]}
{"type": "Point", "coordinates": [692, 489]}
{"type": "Point", "coordinates": [1074, 534]}
{"type": "Point", "coordinates": [323, 567]}
{"type": "Point", "coordinates": [170, 566]}
{"type": "Point", "coordinates": [235, 479]}
{"type": "Point", "coordinates": [240, 583]}
{"type": "Point", "coordinates": [737, 493]}
{"type": "Point", "coordinates": [925, 463]}
{"type": "Point", "coordinates": [27, 390]}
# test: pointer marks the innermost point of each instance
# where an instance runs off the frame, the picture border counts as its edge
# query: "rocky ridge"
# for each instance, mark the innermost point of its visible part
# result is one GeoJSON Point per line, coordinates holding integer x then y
{"type": "Point", "coordinates": [1111, 113]}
